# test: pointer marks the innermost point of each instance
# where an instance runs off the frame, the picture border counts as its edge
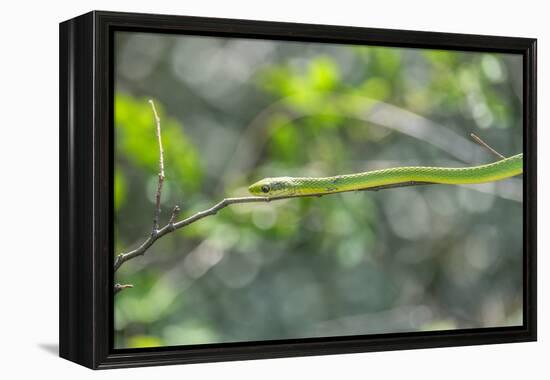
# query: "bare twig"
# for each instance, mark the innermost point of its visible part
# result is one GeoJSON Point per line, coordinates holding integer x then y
{"type": "Point", "coordinates": [161, 171]}
{"type": "Point", "coordinates": [119, 287]}
{"type": "Point", "coordinates": [156, 217]}
{"type": "Point", "coordinates": [170, 227]}
{"type": "Point", "coordinates": [478, 140]}
{"type": "Point", "coordinates": [175, 213]}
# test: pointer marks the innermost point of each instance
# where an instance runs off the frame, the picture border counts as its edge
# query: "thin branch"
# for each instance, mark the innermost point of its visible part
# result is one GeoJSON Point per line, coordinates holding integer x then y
{"type": "Point", "coordinates": [171, 226]}
{"type": "Point", "coordinates": [119, 287]}
{"type": "Point", "coordinates": [161, 171]}
{"type": "Point", "coordinates": [175, 213]}
{"type": "Point", "coordinates": [478, 140]}
{"type": "Point", "coordinates": [156, 217]}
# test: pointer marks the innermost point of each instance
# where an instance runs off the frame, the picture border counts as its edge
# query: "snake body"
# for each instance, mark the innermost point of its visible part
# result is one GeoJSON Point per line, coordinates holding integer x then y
{"type": "Point", "coordinates": [296, 186]}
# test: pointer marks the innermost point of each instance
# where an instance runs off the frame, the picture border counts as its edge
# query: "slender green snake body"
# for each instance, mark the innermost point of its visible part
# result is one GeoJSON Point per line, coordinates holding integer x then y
{"type": "Point", "coordinates": [392, 177]}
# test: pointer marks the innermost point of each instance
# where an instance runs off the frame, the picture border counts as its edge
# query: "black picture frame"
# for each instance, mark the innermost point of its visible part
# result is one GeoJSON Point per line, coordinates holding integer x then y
{"type": "Point", "coordinates": [86, 188]}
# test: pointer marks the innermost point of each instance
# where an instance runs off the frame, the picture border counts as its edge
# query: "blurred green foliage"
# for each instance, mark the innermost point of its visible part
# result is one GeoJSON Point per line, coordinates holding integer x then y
{"type": "Point", "coordinates": [234, 111]}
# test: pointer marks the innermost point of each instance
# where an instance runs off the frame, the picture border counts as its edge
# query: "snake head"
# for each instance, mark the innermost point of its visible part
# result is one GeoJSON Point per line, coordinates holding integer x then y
{"type": "Point", "coordinates": [272, 187]}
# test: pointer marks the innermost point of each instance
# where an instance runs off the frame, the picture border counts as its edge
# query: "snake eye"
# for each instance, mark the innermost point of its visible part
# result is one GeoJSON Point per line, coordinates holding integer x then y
{"type": "Point", "coordinates": [265, 189]}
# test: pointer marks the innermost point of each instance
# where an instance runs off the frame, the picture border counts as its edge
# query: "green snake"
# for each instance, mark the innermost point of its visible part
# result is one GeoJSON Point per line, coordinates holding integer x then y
{"type": "Point", "coordinates": [392, 177]}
